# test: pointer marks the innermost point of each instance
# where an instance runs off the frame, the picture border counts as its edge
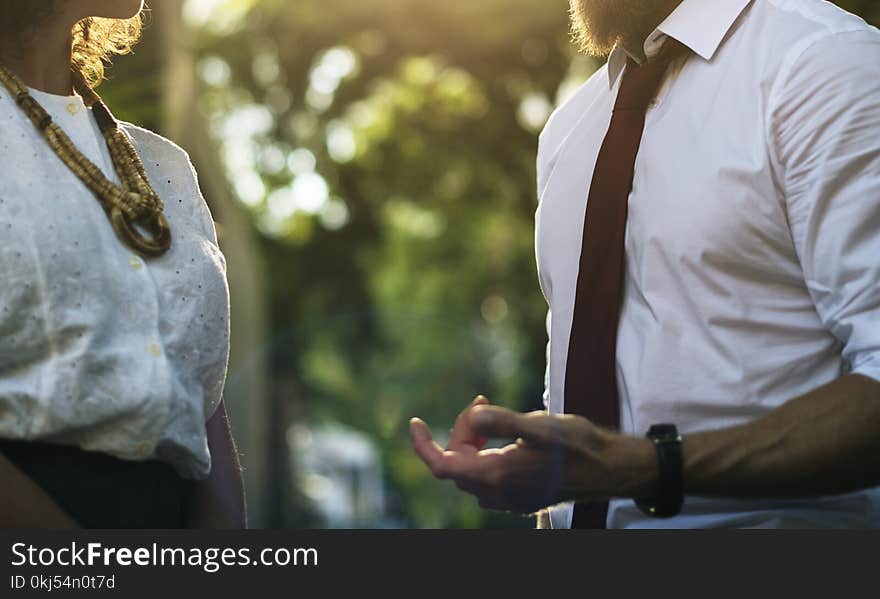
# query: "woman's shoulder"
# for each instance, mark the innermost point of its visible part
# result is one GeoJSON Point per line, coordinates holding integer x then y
{"type": "Point", "coordinates": [156, 151]}
{"type": "Point", "coordinates": [172, 175]}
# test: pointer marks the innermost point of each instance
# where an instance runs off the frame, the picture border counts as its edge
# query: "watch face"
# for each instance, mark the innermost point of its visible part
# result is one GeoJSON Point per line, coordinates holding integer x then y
{"type": "Point", "coordinates": [663, 431]}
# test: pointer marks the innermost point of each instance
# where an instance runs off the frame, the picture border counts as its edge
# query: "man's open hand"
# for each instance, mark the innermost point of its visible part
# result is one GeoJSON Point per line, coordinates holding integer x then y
{"type": "Point", "coordinates": [554, 459]}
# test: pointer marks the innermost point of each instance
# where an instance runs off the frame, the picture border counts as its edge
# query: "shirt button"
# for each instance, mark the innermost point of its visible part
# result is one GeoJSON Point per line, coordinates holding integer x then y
{"type": "Point", "coordinates": [143, 449]}
{"type": "Point", "coordinates": [155, 350]}
{"type": "Point", "coordinates": [135, 262]}
{"type": "Point", "coordinates": [73, 108]}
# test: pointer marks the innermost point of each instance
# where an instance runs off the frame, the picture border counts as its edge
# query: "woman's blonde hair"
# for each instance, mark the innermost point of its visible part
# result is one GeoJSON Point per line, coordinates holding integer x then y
{"type": "Point", "coordinates": [98, 40]}
{"type": "Point", "coordinates": [94, 40]}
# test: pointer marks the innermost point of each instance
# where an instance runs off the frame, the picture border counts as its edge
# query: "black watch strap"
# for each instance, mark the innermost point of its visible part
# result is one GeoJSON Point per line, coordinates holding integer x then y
{"type": "Point", "coordinates": [669, 497]}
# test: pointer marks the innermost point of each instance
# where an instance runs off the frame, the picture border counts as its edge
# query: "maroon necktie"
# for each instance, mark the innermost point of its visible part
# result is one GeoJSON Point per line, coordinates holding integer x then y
{"type": "Point", "coordinates": [591, 370]}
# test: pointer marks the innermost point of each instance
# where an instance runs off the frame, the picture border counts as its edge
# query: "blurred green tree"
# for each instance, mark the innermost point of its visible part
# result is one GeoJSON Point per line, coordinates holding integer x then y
{"type": "Point", "coordinates": [386, 149]}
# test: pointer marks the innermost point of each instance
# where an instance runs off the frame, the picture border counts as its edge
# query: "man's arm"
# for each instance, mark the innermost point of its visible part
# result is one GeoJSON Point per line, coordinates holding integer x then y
{"type": "Point", "coordinates": [824, 121]}
{"type": "Point", "coordinates": [823, 443]}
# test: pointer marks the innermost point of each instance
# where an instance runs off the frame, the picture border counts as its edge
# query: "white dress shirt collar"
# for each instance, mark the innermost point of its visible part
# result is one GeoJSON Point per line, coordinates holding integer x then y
{"type": "Point", "coordinates": [699, 25]}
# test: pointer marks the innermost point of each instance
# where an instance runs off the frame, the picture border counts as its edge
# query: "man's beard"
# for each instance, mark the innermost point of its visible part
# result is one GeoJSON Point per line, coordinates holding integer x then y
{"type": "Point", "coordinates": [598, 25]}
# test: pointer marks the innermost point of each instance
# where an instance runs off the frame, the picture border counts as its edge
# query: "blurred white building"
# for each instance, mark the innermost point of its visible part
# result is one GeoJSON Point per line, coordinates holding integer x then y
{"type": "Point", "coordinates": [340, 471]}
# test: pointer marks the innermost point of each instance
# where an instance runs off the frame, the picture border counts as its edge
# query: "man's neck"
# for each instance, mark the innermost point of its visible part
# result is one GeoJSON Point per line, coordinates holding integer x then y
{"type": "Point", "coordinates": [42, 60]}
{"type": "Point", "coordinates": [634, 41]}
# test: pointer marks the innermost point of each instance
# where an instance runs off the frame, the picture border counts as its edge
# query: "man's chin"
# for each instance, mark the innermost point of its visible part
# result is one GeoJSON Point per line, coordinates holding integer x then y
{"type": "Point", "coordinates": [598, 25]}
{"type": "Point", "coordinates": [593, 45]}
{"type": "Point", "coordinates": [590, 25]}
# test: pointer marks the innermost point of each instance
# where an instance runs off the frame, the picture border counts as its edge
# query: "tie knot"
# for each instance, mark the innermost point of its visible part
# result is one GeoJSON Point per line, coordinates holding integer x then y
{"type": "Point", "coordinates": [641, 83]}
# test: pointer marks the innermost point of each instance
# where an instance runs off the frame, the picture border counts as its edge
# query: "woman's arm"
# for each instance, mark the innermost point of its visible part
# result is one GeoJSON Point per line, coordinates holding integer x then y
{"type": "Point", "coordinates": [23, 504]}
{"type": "Point", "coordinates": [219, 501]}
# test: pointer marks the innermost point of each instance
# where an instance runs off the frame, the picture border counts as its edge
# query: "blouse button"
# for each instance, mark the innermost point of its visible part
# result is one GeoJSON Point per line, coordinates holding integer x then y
{"type": "Point", "coordinates": [155, 350]}
{"type": "Point", "coordinates": [135, 262]}
{"type": "Point", "coordinates": [143, 449]}
{"type": "Point", "coordinates": [73, 108]}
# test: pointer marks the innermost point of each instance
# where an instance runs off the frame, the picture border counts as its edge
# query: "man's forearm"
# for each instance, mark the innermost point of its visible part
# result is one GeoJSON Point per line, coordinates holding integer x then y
{"type": "Point", "coordinates": [823, 443]}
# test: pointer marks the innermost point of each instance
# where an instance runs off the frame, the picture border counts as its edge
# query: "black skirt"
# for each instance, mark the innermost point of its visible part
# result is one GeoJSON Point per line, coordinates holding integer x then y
{"type": "Point", "coordinates": [100, 491]}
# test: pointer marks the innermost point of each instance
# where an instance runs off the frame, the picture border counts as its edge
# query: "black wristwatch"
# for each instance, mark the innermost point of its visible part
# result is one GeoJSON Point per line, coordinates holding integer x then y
{"type": "Point", "coordinates": [669, 496]}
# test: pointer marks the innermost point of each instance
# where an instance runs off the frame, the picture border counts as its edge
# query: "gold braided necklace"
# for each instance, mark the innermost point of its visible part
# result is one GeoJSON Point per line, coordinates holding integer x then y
{"type": "Point", "coordinates": [133, 208]}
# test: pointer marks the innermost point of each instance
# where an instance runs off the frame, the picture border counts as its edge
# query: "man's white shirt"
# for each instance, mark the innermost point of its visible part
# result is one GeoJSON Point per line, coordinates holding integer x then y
{"type": "Point", "coordinates": [753, 239]}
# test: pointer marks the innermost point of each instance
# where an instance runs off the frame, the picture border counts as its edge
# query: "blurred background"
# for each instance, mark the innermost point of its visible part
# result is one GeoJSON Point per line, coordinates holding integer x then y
{"type": "Point", "coordinates": [370, 166]}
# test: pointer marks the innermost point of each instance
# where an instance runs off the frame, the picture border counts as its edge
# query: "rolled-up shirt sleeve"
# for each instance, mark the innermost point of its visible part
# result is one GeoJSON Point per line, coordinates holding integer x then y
{"type": "Point", "coordinates": [825, 125]}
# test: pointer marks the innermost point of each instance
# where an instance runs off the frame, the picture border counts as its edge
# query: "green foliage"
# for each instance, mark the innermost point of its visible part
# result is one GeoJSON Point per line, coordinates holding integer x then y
{"type": "Point", "coordinates": [420, 290]}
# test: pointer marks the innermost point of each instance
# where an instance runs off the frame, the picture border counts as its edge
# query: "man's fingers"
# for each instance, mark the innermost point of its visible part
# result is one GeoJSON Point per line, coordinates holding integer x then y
{"type": "Point", "coordinates": [462, 433]}
{"type": "Point", "coordinates": [521, 476]}
{"type": "Point", "coordinates": [443, 464]}
{"type": "Point", "coordinates": [495, 422]}
{"type": "Point", "coordinates": [423, 443]}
